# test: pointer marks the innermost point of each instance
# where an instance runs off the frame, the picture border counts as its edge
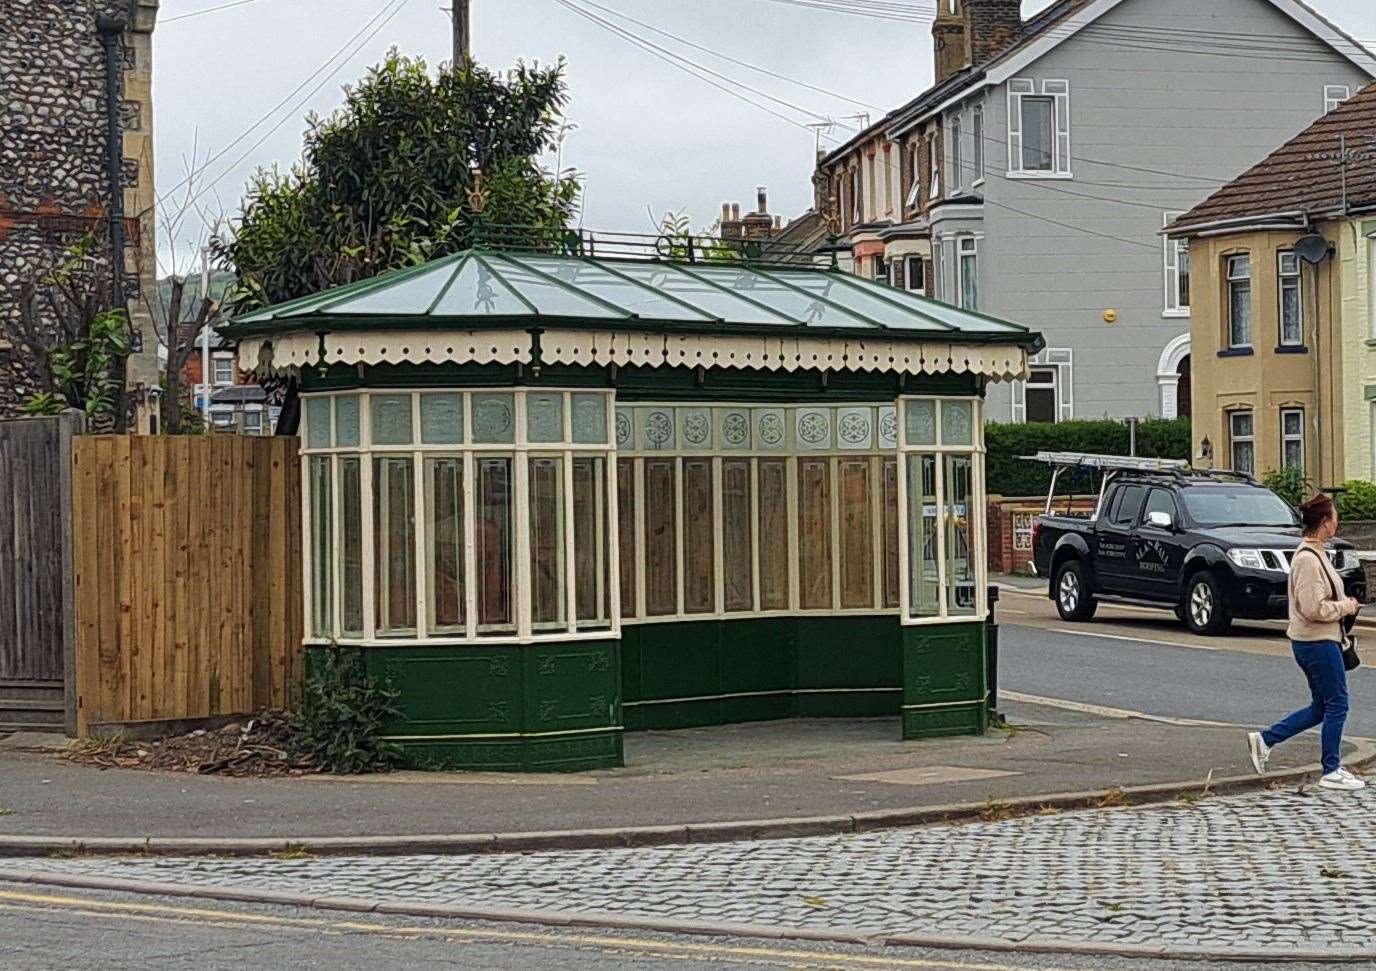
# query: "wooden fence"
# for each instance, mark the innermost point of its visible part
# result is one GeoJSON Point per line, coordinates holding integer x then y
{"type": "Point", "coordinates": [186, 558]}
{"type": "Point", "coordinates": [35, 595]}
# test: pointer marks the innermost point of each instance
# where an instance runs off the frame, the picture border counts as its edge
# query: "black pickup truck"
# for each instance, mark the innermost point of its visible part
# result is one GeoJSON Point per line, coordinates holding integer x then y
{"type": "Point", "coordinates": [1211, 546]}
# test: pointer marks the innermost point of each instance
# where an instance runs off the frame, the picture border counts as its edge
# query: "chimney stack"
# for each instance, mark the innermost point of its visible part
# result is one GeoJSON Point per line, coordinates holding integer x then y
{"type": "Point", "coordinates": [991, 27]}
{"type": "Point", "coordinates": [948, 39]}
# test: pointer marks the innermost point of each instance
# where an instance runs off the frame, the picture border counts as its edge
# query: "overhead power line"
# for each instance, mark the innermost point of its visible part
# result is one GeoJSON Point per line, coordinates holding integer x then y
{"type": "Point", "coordinates": [163, 21]}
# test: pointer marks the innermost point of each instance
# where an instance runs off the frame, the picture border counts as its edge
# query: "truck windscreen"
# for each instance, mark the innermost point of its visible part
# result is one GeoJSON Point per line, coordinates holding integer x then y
{"type": "Point", "coordinates": [1237, 505]}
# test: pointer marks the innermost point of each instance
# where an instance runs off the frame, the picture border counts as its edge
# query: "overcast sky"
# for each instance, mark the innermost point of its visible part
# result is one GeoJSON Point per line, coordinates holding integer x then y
{"type": "Point", "coordinates": [649, 136]}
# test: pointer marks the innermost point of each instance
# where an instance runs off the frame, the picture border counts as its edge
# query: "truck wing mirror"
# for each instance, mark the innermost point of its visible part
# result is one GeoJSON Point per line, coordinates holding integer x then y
{"type": "Point", "coordinates": [1161, 520]}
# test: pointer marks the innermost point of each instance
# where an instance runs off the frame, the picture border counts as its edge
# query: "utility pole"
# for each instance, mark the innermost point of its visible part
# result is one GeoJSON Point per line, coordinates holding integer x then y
{"type": "Point", "coordinates": [462, 39]}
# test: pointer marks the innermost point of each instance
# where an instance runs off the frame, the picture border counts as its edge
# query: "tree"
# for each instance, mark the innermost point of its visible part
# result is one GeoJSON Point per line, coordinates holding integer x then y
{"type": "Point", "coordinates": [411, 168]}
{"type": "Point", "coordinates": [182, 332]}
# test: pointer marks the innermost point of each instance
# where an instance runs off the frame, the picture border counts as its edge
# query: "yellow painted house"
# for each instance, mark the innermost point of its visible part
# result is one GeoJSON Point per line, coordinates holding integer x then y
{"type": "Point", "coordinates": [1283, 327]}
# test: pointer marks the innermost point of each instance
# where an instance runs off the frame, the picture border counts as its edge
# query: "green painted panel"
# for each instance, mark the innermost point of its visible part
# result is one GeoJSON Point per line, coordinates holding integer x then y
{"type": "Point", "coordinates": [849, 704]}
{"type": "Point", "coordinates": [757, 655]}
{"type": "Point", "coordinates": [575, 754]}
{"type": "Point", "coordinates": [473, 690]}
{"type": "Point", "coordinates": [630, 664]}
{"type": "Point", "coordinates": [943, 664]}
{"type": "Point", "coordinates": [679, 660]}
{"type": "Point", "coordinates": [600, 751]}
{"type": "Point", "coordinates": [572, 686]}
{"type": "Point", "coordinates": [682, 714]}
{"type": "Point", "coordinates": [849, 652]}
{"type": "Point", "coordinates": [757, 708]}
{"type": "Point", "coordinates": [971, 719]}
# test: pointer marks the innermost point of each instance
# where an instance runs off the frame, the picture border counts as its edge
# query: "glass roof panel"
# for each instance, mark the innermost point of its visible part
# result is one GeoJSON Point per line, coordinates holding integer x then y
{"type": "Point", "coordinates": [643, 301]}
{"type": "Point", "coordinates": [408, 297]}
{"type": "Point", "coordinates": [721, 305]}
{"type": "Point", "coordinates": [787, 300]}
{"type": "Point", "coordinates": [551, 298]}
{"type": "Point", "coordinates": [964, 319]}
{"type": "Point", "coordinates": [856, 299]}
{"type": "Point", "coordinates": [477, 292]}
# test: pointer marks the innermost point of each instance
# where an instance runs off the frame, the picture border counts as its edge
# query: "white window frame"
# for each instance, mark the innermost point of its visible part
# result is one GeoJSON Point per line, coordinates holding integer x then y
{"type": "Point", "coordinates": [978, 514]}
{"type": "Point", "coordinates": [1287, 439]}
{"type": "Point", "coordinates": [955, 135]}
{"type": "Point", "coordinates": [1058, 90]}
{"type": "Point", "coordinates": [257, 414]}
{"type": "Point", "coordinates": [1229, 280]}
{"type": "Point", "coordinates": [966, 246]}
{"type": "Point", "coordinates": [1285, 278]}
{"type": "Point", "coordinates": [977, 157]}
{"type": "Point", "coordinates": [857, 195]}
{"type": "Point", "coordinates": [915, 193]}
{"type": "Point", "coordinates": [934, 161]}
{"type": "Point", "coordinates": [1334, 95]}
{"type": "Point", "coordinates": [520, 450]}
{"type": "Point", "coordinates": [1234, 439]}
{"type": "Point", "coordinates": [216, 361]}
{"type": "Point", "coordinates": [1172, 249]}
{"type": "Point", "coordinates": [1061, 358]}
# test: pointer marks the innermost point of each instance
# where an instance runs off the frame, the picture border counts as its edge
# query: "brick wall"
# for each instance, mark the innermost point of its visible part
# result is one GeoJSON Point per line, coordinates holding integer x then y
{"type": "Point", "coordinates": [1010, 529]}
{"type": "Point", "coordinates": [991, 26]}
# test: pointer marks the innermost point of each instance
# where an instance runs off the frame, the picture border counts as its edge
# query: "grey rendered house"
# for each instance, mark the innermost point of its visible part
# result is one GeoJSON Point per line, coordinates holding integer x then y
{"type": "Point", "coordinates": [1066, 143]}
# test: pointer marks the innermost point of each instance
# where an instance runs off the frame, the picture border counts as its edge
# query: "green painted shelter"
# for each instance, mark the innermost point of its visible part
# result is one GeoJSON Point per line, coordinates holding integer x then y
{"type": "Point", "coordinates": [556, 497]}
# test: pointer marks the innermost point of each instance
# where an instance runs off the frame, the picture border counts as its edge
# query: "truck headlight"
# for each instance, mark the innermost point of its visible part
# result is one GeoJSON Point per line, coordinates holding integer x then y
{"type": "Point", "coordinates": [1247, 559]}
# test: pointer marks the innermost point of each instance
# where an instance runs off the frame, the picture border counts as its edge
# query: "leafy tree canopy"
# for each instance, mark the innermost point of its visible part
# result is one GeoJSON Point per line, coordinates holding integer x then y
{"type": "Point", "coordinates": [386, 180]}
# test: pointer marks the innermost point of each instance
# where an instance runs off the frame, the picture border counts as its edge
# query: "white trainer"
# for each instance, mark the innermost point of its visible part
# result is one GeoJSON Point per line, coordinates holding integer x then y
{"type": "Point", "coordinates": [1259, 752]}
{"type": "Point", "coordinates": [1342, 779]}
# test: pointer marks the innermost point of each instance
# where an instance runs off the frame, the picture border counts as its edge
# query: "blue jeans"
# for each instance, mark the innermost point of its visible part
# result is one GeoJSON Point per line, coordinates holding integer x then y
{"type": "Point", "coordinates": [1322, 664]}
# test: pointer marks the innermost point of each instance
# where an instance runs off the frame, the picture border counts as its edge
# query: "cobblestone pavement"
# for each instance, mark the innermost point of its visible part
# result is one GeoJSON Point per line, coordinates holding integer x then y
{"type": "Point", "coordinates": [1278, 869]}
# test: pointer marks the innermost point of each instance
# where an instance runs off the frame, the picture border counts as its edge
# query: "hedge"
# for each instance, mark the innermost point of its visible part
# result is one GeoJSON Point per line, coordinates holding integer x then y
{"type": "Point", "coordinates": [1009, 475]}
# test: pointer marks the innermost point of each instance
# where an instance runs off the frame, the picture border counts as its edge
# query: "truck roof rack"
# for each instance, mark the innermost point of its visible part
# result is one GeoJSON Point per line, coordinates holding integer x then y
{"type": "Point", "coordinates": [1178, 468]}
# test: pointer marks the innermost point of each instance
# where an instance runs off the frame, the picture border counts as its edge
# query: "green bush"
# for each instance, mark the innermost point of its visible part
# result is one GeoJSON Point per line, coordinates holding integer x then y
{"type": "Point", "coordinates": [342, 715]}
{"type": "Point", "coordinates": [1009, 475]}
{"type": "Point", "coordinates": [1288, 483]}
{"type": "Point", "coordinates": [1357, 500]}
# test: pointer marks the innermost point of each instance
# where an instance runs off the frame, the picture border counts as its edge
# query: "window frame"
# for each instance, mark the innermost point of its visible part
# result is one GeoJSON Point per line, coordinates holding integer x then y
{"type": "Point", "coordinates": [1231, 283]}
{"type": "Point", "coordinates": [519, 452]}
{"type": "Point", "coordinates": [216, 361]}
{"type": "Point", "coordinates": [1172, 249]}
{"type": "Point", "coordinates": [1298, 438]}
{"type": "Point", "coordinates": [1332, 98]}
{"type": "Point", "coordinates": [962, 253]}
{"type": "Point", "coordinates": [955, 133]}
{"type": "Point", "coordinates": [1058, 92]}
{"type": "Point", "coordinates": [1285, 280]}
{"type": "Point", "coordinates": [977, 157]}
{"type": "Point", "coordinates": [1063, 360]}
{"type": "Point", "coordinates": [1234, 439]}
{"type": "Point", "coordinates": [908, 274]}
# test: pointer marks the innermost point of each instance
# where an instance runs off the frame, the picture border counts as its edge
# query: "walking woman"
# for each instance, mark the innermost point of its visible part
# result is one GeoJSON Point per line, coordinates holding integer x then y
{"type": "Point", "coordinates": [1317, 610]}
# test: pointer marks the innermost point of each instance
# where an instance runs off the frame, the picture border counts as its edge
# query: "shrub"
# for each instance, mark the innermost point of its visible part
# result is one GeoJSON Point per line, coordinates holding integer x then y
{"type": "Point", "coordinates": [1357, 500]}
{"type": "Point", "coordinates": [1009, 475]}
{"type": "Point", "coordinates": [342, 715]}
{"type": "Point", "coordinates": [1288, 483]}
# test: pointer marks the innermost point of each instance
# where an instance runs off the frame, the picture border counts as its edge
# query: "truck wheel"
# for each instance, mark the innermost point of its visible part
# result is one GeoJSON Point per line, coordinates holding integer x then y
{"type": "Point", "coordinates": [1205, 612]}
{"type": "Point", "coordinates": [1074, 601]}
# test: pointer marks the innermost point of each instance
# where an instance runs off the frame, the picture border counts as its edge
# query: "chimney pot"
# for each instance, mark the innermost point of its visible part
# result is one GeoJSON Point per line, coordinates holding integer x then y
{"type": "Point", "coordinates": [762, 197]}
{"type": "Point", "coordinates": [725, 211]}
{"type": "Point", "coordinates": [735, 211]}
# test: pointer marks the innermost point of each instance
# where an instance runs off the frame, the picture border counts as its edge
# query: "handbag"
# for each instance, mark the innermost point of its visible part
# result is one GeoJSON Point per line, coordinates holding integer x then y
{"type": "Point", "coordinates": [1351, 659]}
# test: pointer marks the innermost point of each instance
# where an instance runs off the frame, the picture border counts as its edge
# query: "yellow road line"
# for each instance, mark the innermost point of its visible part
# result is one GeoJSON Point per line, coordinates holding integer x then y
{"type": "Point", "coordinates": [169, 913]}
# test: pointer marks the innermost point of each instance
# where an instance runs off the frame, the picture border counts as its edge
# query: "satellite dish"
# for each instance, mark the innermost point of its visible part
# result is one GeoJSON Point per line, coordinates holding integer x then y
{"type": "Point", "coordinates": [1313, 248]}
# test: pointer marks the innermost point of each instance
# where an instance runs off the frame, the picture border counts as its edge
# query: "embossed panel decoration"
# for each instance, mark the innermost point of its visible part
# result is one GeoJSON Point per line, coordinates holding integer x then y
{"type": "Point", "coordinates": [812, 427]}
{"type": "Point", "coordinates": [921, 422]}
{"type": "Point", "coordinates": [441, 419]}
{"type": "Point", "coordinates": [855, 428]}
{"type": "Point", "coordinates": [391, 419]}
{"type": "Point", "coordinates": [346, 421]}
{"type": "Point", "coordinates": [888, 427]}
{"type": "Point", "coordinates": [657, 429]}
{"type": "Point", "coordinates": [771, 430]}
{"type": "Point", "coordinates": [590, 419]}
{"type": "Point", "coordinates": [545, 418]}
{"type": "Point", "coordinates": [733, 429]}
{"type": "Point", "coordinates": [957, 423]}
{"type": "Point", "coordinates": [494, 419]}
{"type": "Point", "coordinates": [695, 428]}
{"type": "Point", "coordinates": [625, 428]}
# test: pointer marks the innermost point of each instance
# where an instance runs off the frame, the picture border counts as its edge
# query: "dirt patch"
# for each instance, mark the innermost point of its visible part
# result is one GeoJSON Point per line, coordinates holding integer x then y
{"type": "Point", "coordinates": [264, 746]}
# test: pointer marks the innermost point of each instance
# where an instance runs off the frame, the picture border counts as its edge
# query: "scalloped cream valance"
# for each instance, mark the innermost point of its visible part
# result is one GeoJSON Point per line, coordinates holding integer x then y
{"type": "Point", "coordinates": [590, 347]}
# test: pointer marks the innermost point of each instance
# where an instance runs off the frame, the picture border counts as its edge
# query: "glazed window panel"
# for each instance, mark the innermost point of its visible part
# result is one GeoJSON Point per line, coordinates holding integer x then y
{"type": "Point", "coordinates": [699, 527]}
{"type": "Point", "coordinates": [591, 543]}
{"type": "Point", "coordinates": [322, 546]}
{"type": "Point", "coordinates": [857, 534]}
{"type": "Point", "coordinates": [444, 544]}
{"type": "Point", "coordinates": [773, 534]}
{"type": "Point", "coordinates": [890, 532]}
{"type": "Point", "coordinates": [961, 577]}
{"type": "Point", "coordinates": [814, 534]}
{"type": "Point", "coordinates": [924, 575]}
{"type": "Point", "coordinates": [547, 564]}
{"type": "Point", "coordinates": [494, 501]}
{"type": "Point", "coordinates": [394, 542]}
{"type": "Point", "coordinates": [626, 516]}
{"type": "Point", "coordinates": [661, 538]}
{"type": "Point", "coordinates": [351, 545]}
{"type": "Point", "coordinates": [737, 560]}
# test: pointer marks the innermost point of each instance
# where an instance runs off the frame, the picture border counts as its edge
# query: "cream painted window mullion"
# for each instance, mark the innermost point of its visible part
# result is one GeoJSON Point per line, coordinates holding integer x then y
{"type": "Point", "coordinates": [718, 534]}
{"type": "Point", "coordinates": [365, 480]}
{"type": "Point", "coordinates": [570, 579]}
{"type": "Point", "coordinates": [521, 577]}
{"type": "Point", "coordinates": [791, 508]}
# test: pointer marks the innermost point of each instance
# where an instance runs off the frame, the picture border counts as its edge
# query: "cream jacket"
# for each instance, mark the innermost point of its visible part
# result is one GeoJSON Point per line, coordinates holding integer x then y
{"type": "Point", "coordinates": [1314, 613]}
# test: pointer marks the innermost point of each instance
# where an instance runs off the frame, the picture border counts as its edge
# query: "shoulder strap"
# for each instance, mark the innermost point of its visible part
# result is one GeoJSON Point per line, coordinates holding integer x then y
{"type": "Point", "coordinates": [1322, 566]}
